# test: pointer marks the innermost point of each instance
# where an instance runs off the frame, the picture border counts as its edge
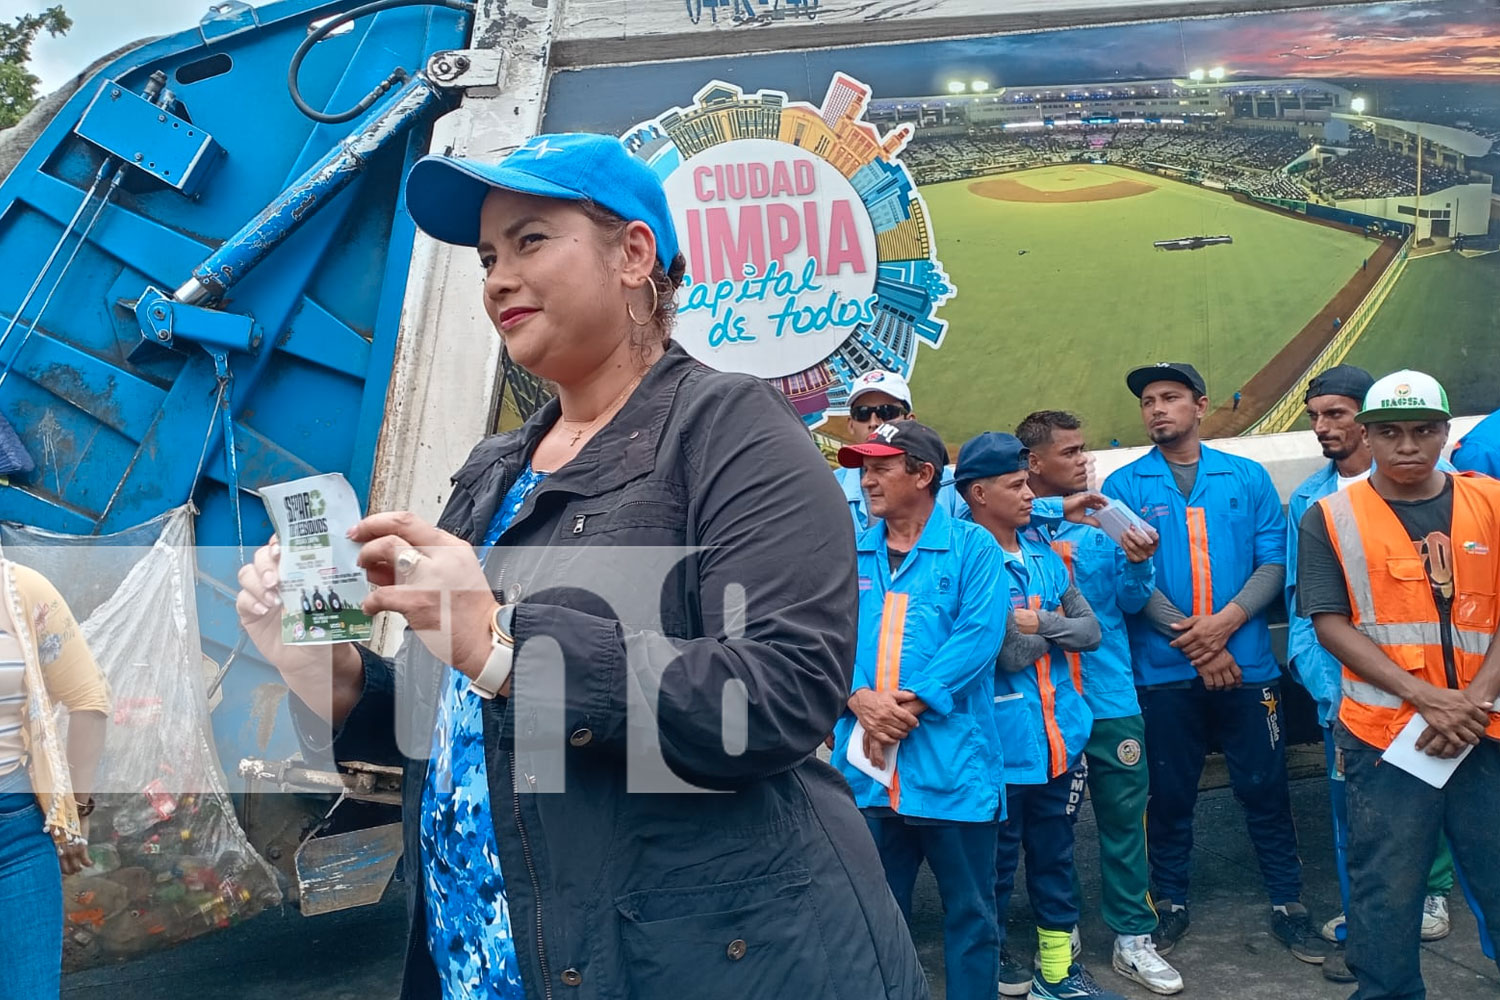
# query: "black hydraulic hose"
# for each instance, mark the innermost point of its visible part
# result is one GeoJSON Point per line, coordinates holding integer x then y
{"type": "Point", "coordinates": [398, 75]}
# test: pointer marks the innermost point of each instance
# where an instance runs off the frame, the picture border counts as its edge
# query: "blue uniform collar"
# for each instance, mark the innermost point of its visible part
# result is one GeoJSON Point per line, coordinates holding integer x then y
{"type": "Point", "coordinates": [1211, 462]}
{"type": "Point", "coordinates": [1320, 483]}
{"type": "Point", "coordinates": [937, 533]}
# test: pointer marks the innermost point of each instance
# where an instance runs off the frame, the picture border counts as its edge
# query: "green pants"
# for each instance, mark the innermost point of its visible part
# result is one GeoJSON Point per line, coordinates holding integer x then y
{"type": "Point", "coordinates": [1118, 786]}
{"type": "Point", "coordinates": [1440, 879]}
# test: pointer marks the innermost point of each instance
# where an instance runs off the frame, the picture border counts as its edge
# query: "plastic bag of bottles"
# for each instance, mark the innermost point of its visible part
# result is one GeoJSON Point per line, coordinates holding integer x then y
{"type": "Point", "coordinates": [170, 860]}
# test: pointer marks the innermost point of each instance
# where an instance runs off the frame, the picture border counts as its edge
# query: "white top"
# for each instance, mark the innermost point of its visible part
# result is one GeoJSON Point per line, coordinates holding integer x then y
{"type": "Point", "coordinates": [1347, 481]}
{"type": "Point", "coordinates": [12, 701]}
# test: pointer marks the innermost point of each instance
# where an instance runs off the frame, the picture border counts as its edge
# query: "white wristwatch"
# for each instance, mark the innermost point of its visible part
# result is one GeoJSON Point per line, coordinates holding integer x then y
{"type": "Point", "coordinates": [502, 655]}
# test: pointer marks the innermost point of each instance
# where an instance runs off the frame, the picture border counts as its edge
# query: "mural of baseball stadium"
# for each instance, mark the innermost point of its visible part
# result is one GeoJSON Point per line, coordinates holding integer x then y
{"type": "Point", "coordinates": [1263, 195]}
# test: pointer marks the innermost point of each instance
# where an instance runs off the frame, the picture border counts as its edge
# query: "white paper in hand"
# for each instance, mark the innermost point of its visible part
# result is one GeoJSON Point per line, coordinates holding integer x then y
{"type": "Point", "coordinates": [856, 753]}
{"type": "Point", "coordinates": [1404, 754]}
{"type": "Point", "coordinates": [1116, 519]}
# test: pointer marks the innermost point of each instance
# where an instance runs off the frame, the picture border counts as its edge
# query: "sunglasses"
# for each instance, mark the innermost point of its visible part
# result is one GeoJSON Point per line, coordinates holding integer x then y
{"type": "Point", "coordinates": [885, 411]}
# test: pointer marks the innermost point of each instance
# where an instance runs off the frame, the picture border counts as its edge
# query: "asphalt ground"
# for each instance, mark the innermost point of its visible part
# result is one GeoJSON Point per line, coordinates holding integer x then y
{"type": "Point", "coordinates": [1228, 954]}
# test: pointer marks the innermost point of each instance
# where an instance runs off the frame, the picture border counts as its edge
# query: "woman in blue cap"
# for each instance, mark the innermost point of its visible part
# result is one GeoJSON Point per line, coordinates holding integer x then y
{"type": "Point", "coordinates": [639, 607]}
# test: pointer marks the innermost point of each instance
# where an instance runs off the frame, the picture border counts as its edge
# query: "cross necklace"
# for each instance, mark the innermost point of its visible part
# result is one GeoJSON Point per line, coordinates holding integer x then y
{"type": "Point", "coordinates": [604, 414]}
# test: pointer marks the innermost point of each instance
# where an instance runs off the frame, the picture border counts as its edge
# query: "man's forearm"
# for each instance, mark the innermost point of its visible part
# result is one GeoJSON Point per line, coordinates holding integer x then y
{"type": "Point", "coordinates": [1263, 587]}
{"type": "Point", "coordinates": [1360, 654]}
{"type": "Point", "coordinates": [1486, 683]}
{"type": "Point", "coordinates": [1161, 613]}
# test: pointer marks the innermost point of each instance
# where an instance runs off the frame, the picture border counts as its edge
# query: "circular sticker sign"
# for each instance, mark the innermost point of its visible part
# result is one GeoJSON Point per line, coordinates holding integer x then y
{"type": "Point", "coordinates": [781, 257]}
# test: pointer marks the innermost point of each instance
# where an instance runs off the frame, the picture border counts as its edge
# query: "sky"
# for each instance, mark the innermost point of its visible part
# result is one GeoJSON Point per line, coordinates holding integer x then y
{"type": "Point", "coordinates": [1442, 40]}
{"type": "Point", "coordinates": [100, 27]}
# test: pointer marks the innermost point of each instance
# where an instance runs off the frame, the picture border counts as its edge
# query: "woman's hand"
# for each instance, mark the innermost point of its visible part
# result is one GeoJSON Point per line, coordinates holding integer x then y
{"type": "Point", "coordinates": [433, 580]}
{"type": "Point", "coordinates": [74, 858]}
{"type": "Point", "coordinates": [259, 606]}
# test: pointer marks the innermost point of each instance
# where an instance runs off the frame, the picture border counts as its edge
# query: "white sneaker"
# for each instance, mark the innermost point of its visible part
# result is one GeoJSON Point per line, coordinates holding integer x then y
{"type": "Point", "coordinates": [1136, 959]}
{"type": "Point", "coordinates": [1435, 924]}
{"type": "Point", "coordinates": [1330, 930]}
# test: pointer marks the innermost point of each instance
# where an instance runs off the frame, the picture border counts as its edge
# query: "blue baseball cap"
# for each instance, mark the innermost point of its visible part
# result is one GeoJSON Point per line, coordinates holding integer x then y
{"type": "Point", "coordinates": [993, 453]}
{"type": "Point", "coordinates": [444, 193]}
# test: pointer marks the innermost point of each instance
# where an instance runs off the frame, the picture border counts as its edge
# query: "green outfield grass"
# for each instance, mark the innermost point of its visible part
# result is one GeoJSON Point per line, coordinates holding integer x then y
{"type": "Point", "coordinates": [1443, 317]}
{"type": "Point", "coordinates": [1058, 326]}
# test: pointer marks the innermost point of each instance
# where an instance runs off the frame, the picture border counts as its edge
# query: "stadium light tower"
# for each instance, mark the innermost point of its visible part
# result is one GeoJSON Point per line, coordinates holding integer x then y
{"type": "Point", "coordinates": [1197, 76]}
{"type": "Point", "coordinates": [979, 86]}
{"type": "Point", "coordinates": [1358, 105]}
{"type": "Point", "coordinates": [1216, 74]}
{"type": "Point", "coordinates": [956, 87]}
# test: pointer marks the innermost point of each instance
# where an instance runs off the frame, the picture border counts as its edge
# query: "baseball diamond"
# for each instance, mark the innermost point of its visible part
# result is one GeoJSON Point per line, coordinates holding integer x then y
{"type": "Point", "coordinates": [1090, 296]}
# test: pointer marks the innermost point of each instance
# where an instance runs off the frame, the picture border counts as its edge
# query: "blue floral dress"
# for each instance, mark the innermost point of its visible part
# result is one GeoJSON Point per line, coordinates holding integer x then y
{"type": "Point", "coordinates": [468, 919]}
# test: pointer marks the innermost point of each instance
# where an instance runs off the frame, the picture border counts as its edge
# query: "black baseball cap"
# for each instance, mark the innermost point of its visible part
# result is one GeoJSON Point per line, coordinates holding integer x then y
{"type": "Point", "coordinates": [1166, 371]}
{"type": "Point", "coordinates": [1341, 380]}
{"type": "Point", "coordinates": [993, 453]}
{"type": "Point", "coordinates": [900, 437]}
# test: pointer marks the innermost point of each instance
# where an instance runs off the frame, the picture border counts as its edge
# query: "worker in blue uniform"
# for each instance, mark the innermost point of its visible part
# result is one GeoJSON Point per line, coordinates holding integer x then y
{"type": "Point", "coordinates": [1479, 450]}
{"type": "Point", "coordinates": [877, 398]}
{"type": "Point", "coordinates": [1202, 649]}
{"type": "Point", "coordinates": [1041, 715]}
{"type": "Point", "coordinates": [918, 744]}
{"type": "Point", "coordinates": [1116, 580]}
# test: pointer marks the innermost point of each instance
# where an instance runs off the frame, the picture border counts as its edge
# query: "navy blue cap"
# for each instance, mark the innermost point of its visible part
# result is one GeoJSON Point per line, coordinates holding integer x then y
{"type": "Point", "coordinates": [1341, 380]}
{"type": "Point", "coordinates": [993, 453]}
{"type": "Point", "coordinates": [444, 193]}
{"type": "Point", "coordinates": [1166, 371]}
{"type": "Point", "coordinates": [899, 437]}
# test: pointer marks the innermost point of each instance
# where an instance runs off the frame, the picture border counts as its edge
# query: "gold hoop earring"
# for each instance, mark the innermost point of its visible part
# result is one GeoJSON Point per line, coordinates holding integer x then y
{"type": "Point", "coordinates": [655, 304]}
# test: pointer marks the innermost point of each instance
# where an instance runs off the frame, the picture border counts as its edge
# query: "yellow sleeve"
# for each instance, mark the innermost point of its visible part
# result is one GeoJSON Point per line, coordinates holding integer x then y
{"type": "Point", "coordinates": [68, 667]}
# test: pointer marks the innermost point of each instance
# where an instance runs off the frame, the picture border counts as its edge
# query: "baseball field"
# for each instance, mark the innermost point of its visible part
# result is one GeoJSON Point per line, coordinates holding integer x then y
{"type": "Point", "coordinates": [1060, 292]}
{"type": "Point", "coordinates": [1443, 317]}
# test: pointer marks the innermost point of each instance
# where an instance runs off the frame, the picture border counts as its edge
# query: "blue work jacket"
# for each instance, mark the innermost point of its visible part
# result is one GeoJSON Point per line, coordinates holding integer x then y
{"type": "Point", "coordinates": [1211, 542]}
{"type": "Point", "coordinates": [1479, 450]}
{"type": "Point", "coordinates": [1114, 587]}
{"type": "Point", "coordinates": [1040, 712]}
{"type": "Point", "coordinates": [933, 628]}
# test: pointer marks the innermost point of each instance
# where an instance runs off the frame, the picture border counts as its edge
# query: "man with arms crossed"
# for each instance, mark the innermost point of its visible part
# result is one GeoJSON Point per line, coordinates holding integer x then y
{"type": "Point", "coordinates": [1115, 581]}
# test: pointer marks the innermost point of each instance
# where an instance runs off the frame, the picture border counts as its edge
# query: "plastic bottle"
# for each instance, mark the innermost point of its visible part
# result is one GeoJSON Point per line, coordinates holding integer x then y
{"type": "Point", "coordinates": [106, 858]}
{"type": "Point", "coordinates": [156, 805]}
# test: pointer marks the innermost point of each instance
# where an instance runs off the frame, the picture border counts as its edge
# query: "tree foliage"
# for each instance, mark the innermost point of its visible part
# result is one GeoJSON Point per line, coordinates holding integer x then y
{"type": "Point", "coordinates": [17, 84]}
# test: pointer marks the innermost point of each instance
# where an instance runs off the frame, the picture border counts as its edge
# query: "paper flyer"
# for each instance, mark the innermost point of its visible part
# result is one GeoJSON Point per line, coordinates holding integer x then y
{"type": "Point", "coordinates": [856, 754]}
{"type": "Point", "coordinates": [1404, 754]}
{"type": "Point", "coordinates": [322, 585]}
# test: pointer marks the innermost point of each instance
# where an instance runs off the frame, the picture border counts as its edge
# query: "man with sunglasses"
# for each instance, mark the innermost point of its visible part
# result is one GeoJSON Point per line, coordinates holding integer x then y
{"type": "Point", "coordinates": [881, 397]}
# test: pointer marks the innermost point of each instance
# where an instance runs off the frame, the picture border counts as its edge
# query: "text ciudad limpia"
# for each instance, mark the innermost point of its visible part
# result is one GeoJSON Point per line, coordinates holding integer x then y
{"type": "Point", "coordinates": [754, 243]}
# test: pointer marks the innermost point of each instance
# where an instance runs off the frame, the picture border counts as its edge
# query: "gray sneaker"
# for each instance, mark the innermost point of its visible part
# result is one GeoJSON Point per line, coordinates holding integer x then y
{"type": "Point", "coordinates": [1294, 928]}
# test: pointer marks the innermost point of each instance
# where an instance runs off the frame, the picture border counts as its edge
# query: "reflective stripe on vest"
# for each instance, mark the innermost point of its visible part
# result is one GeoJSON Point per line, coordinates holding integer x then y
{"type": "Point", "coordinates": [1057, 747]}
{"type": "Point", "coordinates": [1352, 555]}
{"type": "Point", "coordinates": [888, 663]}
{"type": "Point", "coordinates": [1075, 660]}
{"type": "Point", "coordinates": [1368, 694]}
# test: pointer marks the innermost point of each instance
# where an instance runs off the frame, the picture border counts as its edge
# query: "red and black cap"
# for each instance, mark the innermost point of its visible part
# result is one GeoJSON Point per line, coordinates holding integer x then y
{"type": "Point", "coordinates": [900, 437]}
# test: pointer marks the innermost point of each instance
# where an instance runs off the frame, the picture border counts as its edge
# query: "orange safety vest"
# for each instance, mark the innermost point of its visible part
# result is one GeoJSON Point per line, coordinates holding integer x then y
{"type": "Point", "coordinates": [1392, 602]}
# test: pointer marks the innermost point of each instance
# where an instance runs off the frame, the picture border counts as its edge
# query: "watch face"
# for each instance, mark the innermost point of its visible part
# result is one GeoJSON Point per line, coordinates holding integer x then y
{"type": "Point", "coordinates": [505, 617]}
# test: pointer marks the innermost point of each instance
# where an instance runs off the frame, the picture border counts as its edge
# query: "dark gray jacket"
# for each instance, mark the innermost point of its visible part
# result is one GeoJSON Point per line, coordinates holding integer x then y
{"type": "Point", "coordinates": [769, 888]}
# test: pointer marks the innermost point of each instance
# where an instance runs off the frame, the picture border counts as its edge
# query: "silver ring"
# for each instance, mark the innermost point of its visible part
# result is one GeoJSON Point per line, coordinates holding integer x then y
{"type": "Point", "coordinates": [407, 561]}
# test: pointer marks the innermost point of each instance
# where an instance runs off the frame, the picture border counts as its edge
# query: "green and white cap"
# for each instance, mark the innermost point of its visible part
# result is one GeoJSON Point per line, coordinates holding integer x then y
{"type": "Point", "coordinates": [1405, 395]}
